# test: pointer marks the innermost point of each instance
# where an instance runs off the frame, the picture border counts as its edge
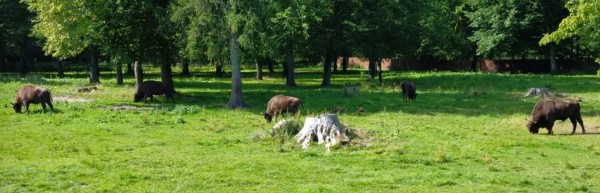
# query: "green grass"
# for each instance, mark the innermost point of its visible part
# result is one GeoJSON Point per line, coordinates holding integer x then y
{"type": "Point", "coordinates": [465, 133]}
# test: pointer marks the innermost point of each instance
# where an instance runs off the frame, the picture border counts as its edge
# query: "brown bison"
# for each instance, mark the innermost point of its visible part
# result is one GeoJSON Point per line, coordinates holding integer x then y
{"type": "Point", "coordinates": [280, 104]}
{"type": "Point", "coordinates": [32, 94]}
{"type": "Point", "coordinates": [409, 91]}
{"type": "Point", "coordinates": [150, 88]}
{"type": "Point", "coordinates": [548, 110]}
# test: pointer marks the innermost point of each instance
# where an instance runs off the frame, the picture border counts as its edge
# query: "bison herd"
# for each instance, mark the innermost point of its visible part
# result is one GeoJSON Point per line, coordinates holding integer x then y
{"type": "Point", "coordinates": [544, 113]}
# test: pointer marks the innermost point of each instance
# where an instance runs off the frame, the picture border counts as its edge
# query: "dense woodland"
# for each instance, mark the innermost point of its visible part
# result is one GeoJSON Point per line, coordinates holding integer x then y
{"type": "Point", "coordinates": [266, 33]}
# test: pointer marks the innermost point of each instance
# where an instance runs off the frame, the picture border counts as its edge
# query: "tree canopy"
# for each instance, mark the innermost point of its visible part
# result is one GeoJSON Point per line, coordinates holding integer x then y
{"type": "Point", "coordinates": [168, 31]}
{"type": "Point", "coordinates": [582, 23]}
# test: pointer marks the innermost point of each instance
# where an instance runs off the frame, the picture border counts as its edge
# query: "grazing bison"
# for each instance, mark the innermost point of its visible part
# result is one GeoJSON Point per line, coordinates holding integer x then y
{"type": "Point", "coordinates": [548, 110]}
{"type": "Point", "coordinates": [149, 88]}
{"type": "Point", "coordinates": [280, 104]}
{"type": "Point", "coordinates": [32, 94]}
{"type": "Point", "coordinates": [409, 91]}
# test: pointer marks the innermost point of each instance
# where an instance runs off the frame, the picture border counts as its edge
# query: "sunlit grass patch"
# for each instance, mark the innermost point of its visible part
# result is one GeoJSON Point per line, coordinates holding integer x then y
{"type": "Point", "coordinates": [464, 133]}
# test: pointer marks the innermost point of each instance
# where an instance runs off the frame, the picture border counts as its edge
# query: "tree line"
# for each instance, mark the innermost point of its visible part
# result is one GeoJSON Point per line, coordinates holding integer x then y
{"type": "Point", "coordinates": [265, 32]}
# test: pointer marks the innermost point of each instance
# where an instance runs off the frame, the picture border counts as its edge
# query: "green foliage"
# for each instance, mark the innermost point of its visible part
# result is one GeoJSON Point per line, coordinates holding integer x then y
{"type": "Point", "coordinates": [511, 27]}
{"type": "Point", "coordinates": [444, 30]}
{"type": "Point", "coordinates": [288, 129]}
{"type": "Point", "coordinates": [187, 109]}
{"type": "Point", "coordinates": [15, 26]}
{"type": "Point", "coordinates": [476, 144]}
{"type": "Point", "coordinates": [378, 27]}
{"type": "Point", "coordinates": [127, 30]}
{"type": "Point", "coordinates": [65, 25]}
{"type": "Point", "coordinates": [582, 22]}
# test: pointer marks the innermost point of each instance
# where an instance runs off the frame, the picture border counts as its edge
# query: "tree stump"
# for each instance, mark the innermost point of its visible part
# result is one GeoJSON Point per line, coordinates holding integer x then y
{"type": "Point", "coordinates": [327, 129]}
{"type": "Point", "coordinates": [536, 92]}
{"type": "Point", "coordinates": [351, 91]}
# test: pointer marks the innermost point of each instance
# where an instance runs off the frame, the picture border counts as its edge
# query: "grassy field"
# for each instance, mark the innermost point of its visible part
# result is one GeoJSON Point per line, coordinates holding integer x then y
{"type": "Point", "coordinates": [465, 133]}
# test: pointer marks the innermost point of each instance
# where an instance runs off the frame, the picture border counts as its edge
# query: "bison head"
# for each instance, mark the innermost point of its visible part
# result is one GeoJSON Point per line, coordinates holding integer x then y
{"type": "Point", "coordinates": [16, 107]}
{"type": "Point", "coordinates": [137, 97]}
{"type": "Point", "coordinates": [533, 127]}
{"type": "Point", "coordinates": [267, 117]}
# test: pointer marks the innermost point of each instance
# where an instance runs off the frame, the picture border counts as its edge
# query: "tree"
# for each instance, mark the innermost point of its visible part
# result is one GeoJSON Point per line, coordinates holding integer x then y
{"type": "Point", "coordinates": [15, 27]}
{"type": "Point", "coordinates": [582, 23]}
{"type": "Point", "coordinates": [138, 31]}
{"type": "Point", "coordinates": [509, 28]}
{"type": "Point", "coordinates": [210, 24]}
{"type": "Point", "coordinates": [332, 28]}
{"type": "Point", "coordinates": [129, 30]}
{"type": "Point", "coordinates": [385, 29]}
{"type": "Point", "coordinates": [68, 28]}
{"type": "Point", "coordinates": [443, 30]}
{"type": "Point", "coordinates": [289, 27]}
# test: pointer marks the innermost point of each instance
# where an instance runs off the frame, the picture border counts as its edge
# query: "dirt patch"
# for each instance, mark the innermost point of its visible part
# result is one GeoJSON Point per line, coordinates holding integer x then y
{"type": "Point", "coordinates": [128, 107]}
{"type": "Point", "coordinates": [70, 99]}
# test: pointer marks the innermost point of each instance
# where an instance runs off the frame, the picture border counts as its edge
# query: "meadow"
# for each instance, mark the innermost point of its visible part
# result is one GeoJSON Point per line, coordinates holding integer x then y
{"type": "Point", "coordinates": [464, 133]}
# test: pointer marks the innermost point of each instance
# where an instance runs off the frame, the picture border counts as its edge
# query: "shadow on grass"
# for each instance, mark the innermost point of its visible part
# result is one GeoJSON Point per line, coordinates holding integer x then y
{"type": "Point", "coordinates": [577, 134]}
{"type": "Point", "coordinates": [468, 94]}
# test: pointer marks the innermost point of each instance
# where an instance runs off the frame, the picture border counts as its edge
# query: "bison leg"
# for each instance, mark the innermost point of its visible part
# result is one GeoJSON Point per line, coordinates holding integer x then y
{"type": "Point", "coordinates": [580, 123]}
{"type": "Point", "coordinates": [44, 106]}
{"type": "Point", "coordinates": [277, 113]}
{"type": "Point", "coordinates": [550, 125]}
{"type": "Point", "coordinates": [574, 124]}
{"type": "Point", "coordinates": [26, 106]}
{"type": "Point", "coordinates": [50, 105]}
{"type": "Point", "coordinates": [146, 98]}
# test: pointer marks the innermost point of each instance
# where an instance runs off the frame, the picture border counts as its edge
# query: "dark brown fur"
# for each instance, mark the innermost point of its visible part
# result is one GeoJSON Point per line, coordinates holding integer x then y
{"type": "Point", "coordinates": [150, 88]}
{"type": "Point", "coordinates": [32, 95]}
{"type": "Point", "coordinates": [548, 110]}
{"type": "Point", "coordinates": [409, 91]}
{"type": "Point", "coordinates": [281, 104]}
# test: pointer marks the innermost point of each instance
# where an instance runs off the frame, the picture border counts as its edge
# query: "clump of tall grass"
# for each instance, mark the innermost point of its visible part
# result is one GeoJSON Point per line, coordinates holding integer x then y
{"type": "Point", "coordinates": [187, 109]}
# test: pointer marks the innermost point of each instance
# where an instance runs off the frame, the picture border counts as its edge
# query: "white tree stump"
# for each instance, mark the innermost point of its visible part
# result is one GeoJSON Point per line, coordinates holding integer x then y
{"type": "Point", "coordinates": [307, 131]}
{"type": "Point", "coordinates": [326, 127]}
{"type": "Point", "coordinates": [536, 92]}
{"type": "Point", "coordinates": [351, 91]}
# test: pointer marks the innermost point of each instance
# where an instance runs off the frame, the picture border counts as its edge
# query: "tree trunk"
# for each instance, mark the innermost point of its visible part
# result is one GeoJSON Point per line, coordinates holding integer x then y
{"type": "Point", "coordinates": [166, 73]}
{"type": "Point", "coordinates": [259, 73]}
{"type": "Point", "coordinates": [380, 71]}
{"type": "Point", "coordinates": [345, 61]}
{"type": "Point", "coordinates": [2, 54]}
{"type": "Point", "coordinates": [284, 67]}
{"type": "Point", "coordinates": [61, 70]}
{"type": "Point", "coordinates": [334, 63]}
{"type": "Point", "coordinates": [289, 63]}
{"type": "Point", "coordinates": [270, 65]}
{"type": "Point", "coordinates": [327, 63]}
{"type": "Point", "coordinates": [185, 68]}
{"type": "Point", "coordinates": [218, 68]}
{"type": "Point", "coordinates": [139, 74]}
{"type": "Point", "coordinates": [475, 58]}
{"type": "Point", "coordinates": [129, 70]}
{"type": "Point", "coordinates": [22, 66]}
{"type": "Point", "coordinates": [372, 68]}
{"type": "Point", "coordinates": [553, 65]}
{"type": "Point", "coordinates": [119, 73]}
{"type": "Point", "coordinates": [236, 100]}
{"type": "Point", "coordinates": [93, 64]}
